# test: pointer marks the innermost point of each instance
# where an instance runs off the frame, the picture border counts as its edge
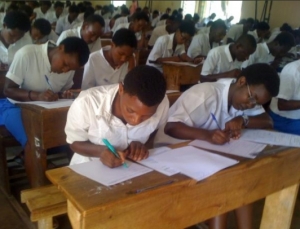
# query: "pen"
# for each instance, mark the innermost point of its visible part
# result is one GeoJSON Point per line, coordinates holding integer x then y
{"type": "Point", "coordinates": [216, 121]}
{"type": "Point", "coordinates": [47, 80]}
{"type": "Point", "coordinates": [151, 187]}
{"type": "Point", "coordinates": [113, 150]}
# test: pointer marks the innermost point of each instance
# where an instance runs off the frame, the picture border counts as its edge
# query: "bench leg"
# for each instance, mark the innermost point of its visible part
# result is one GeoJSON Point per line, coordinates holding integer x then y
{"type": "Point", "coordinates": [46, 223]}
{"type": "Point", "coordinates": [4, 180]}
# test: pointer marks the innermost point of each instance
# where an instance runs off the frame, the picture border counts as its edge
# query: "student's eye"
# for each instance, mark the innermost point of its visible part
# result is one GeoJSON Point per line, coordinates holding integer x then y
{"type": "Point", "coordinates": [129, 110]}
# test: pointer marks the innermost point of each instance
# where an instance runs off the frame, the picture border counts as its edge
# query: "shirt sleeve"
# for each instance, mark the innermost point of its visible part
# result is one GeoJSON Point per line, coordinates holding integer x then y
{"type": "Point", "coordinates": [89, 76]}
{"type": "Point", "coordinates": [157, 50]}
{"type": "Point", "coordinates": [195, 48]}
{"type": "Point", "coordinates": [288, 81]}
{"type": "Point", "coordinates": [257, 110]}
{"type": "Point", "coordinates": [165, 109]}
{"type": "Point", "coordinates": [61, 37]}
{"type": "Point", "coordinates": [59, 26]}
{"type": "Point", "coordinates": [210, 63]}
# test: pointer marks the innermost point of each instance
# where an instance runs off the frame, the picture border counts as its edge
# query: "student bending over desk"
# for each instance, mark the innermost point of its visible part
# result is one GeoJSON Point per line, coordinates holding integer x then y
{"type": "Point", "coordinates": [216, 112]}
{"type": "Point", "coordinates": [126, 114]}
{"type": "Point", "coordinates": [41, 32]}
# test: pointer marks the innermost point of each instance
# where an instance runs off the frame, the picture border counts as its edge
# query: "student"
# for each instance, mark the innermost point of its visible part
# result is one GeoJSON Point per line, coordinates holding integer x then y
{"type": "Point", "coordinates": [238, 30]}
{"type": "Point", "coordinates": [90, 32]}
{"type": "Point", "coordinates": [205, 21]}
{"type": "Point", "coordinates": [261, 32]}
{"type": "Point", "coordinates": [126, 114]}
{"type": "Point", "coordinates": [13, 35]}
{"type": "Point", "coordinates": [268, 52]}
{"type": "Point", "coordinates": [41, 32]}
{"type": "Point", "coordinates": [111, 63]}
{"type": "Point", "coordinates": [236, 104]}
{"type": "Point", "coordinates": [39, 73]}
{"type": "Point", "coordinates": [225, 61]}
{"type": "Point", "coordinates": [203, 42]}
{"type": "Point", "coordinates": [155, 18]}
{"type": "Point", "coordinates": [68, 21]}
{"type": "Point", "coordinates": [43, 11]}
{"type": "Point", "coordinates": [125, 17]}
{"type": "Point", "coordinates": [168, 11]}
{"type": "Point", "coordinates": [228, 22]}
{"type": "Point", "coordinates": [171, 47]}
{"type": "Point", "coordinates": [58, 13]}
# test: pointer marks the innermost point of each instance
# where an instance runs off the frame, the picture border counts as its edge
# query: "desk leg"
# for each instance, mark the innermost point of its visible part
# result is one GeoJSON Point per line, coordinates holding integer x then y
{"type": "Point", "coordinates": [279, 208]}
{"type": "Point", "coordinates": [74, 216]}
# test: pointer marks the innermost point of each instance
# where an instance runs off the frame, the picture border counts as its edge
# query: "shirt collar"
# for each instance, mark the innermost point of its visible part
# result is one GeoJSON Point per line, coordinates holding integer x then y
{"type": "Point", "coordinates": [227, 83]}
{"type": "Point", "coordinates": [227, 52]}
{"type": "Point", "coordinates": [45, 54]}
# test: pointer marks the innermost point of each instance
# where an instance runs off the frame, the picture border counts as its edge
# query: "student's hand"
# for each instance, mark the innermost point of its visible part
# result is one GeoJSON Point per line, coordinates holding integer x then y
{"type": "Point", "coordinates": [70, 94]}
{"type": "Point", "coordinates": [234, 73]}
{"type": "Point", "coordinates": [47, 96]}
{"type": "Point", "coordinates": [218, 137]}
{"type": "Point", "coordinates": [137, 151]}
{"type": "Point", "coordinates": [110, 160]}
{"type": "Point", "coordinates": [234, 127]}
{"type": "Point", "coordinates": [198, 60]}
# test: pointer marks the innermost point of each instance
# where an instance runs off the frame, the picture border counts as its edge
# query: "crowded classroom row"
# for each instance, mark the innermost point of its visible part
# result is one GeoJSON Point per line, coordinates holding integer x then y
{"type": "Point", "coordinates": [43, 44]}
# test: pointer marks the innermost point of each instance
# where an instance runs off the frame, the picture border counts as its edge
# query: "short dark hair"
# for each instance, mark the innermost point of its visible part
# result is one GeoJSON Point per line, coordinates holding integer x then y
{"type": "Point", "coordinates": [26, 9]}
{"type": "Point", "coordinates": [74, 9]}
{"type": "Point", "coordinates": [247, 40]}
{"type": "Point", "coordinates": [218, 24]}
{"type": "Point", "coordinates": [95, 18]}
{"type": "Point", "coordinates": [164, 17]}
{"type": "Point", "coordinates": [262, 73]}
{"type": "Point", "coordinates": [187, 27]}
{"type": "Point", "coordinates": [188, 17]}
{"type": "Point", "coordinates": [78, 46]}
{"type": "Point", "coordinates": [155, 12]}
{"type": "Point", "coordinates": [196, 17]}
{"type": "Point", "coordinates": [58, 4]}
{"type": "Point", "coordinates": [141, 16]}
{"type": "Point", "coordinates": [147, 83]}
{"type": "Point", "coordinates": [250, 20]}
{"type": "Point", "coordinates": [124, 37]}
{"type": "Point", "coordinates": [88, 12]}
{"type": "Point", "coordinates": [125, 11]}
{"type": "Point", "coordinates": [45, 3]}
{"type": "Point", "coordinates": [264, 26]}
{"type": "Point", "coordinates": [43, 26]}
{"type": "Point", "coordinates": [17, 20]}
{"type": "Point", "coordinates": [285, 39]}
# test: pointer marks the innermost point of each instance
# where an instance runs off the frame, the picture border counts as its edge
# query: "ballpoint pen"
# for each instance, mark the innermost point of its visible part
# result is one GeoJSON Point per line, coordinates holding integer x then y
{"type": "Point", "coordinates": [113, 150]}
{"type": "Point", "coordinates": [216, 121]}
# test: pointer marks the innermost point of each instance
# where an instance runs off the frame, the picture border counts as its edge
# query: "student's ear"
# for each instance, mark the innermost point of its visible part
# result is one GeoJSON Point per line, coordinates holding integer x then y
{"type": "Point", "coordinates": [241, 81]}
{"type": "Point", "coordinates": [121, 88]}
{"type": "Point", "coordinates": [61, 48]}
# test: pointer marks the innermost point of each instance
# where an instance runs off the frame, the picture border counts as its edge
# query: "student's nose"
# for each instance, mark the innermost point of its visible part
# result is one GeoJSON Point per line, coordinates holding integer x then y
{"type": "Point", "coordinates": [136, 119]}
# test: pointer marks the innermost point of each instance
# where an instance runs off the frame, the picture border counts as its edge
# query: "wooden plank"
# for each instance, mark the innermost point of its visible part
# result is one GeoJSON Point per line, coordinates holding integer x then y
{"type": "Point", "coordinates": [38, 192]}
{"type": "Point", "coordinates": [279, 207]}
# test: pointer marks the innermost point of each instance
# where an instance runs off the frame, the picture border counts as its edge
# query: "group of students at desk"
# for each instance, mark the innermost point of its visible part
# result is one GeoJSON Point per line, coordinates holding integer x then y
{"type": "Point", "coordinates": [131, 103]}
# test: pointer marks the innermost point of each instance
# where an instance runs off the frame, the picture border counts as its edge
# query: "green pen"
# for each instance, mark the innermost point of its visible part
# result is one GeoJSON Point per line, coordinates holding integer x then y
{"type": "Point", "coordinates": [113, 150]}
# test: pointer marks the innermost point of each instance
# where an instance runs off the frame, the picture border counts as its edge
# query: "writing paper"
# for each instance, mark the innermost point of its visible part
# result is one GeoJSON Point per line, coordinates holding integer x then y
{"type": "Point", "coordinates": [48, 105]}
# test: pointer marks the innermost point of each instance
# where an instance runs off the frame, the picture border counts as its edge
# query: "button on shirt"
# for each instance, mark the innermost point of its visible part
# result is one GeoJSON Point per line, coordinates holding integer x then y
{"type": "Point", "coordinates": [163, 48]}
{"type": "Point", "coordinates": [90, 119]}
{"type": "Point", "coordinates": [98, 72]}
{"type": "Point", "coordinates": [64, 24]}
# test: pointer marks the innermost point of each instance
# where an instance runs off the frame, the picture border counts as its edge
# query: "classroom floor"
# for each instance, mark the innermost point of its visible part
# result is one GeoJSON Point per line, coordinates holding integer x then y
{"type": "Point", "coordinates": [14, 215]}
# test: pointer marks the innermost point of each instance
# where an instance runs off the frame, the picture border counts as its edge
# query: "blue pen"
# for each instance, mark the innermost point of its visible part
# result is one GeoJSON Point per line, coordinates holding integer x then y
{"type": "Point", "coordinates": [47, 80]}
{"type": "Point", "coordinates": [216, 121]}
{"type": "Point", "coordinates": [113, 150]}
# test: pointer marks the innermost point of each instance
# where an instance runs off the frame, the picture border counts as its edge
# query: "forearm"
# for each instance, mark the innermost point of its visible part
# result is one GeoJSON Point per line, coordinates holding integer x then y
{"type": "Point", "coordinates": [288, 105]}
{"type": "Point", "coordinates": [87, 149]}
{"type": "Point", "coordinates": [262, 121]}
{"type": "Point", "coordinates": [20, 94]}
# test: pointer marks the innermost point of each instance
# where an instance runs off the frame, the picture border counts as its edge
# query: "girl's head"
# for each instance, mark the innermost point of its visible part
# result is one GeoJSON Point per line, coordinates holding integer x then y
{"type": "Point", "coordinates": [140, 21]}
{"type": "Point", "coordinates": [91, 28]}
{"type": "Point", "coordinates": [40, 30]}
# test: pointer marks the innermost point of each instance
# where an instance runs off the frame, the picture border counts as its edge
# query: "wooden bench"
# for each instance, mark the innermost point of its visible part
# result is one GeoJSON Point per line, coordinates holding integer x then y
{"type": "Point", "coordinates": [44, 203]}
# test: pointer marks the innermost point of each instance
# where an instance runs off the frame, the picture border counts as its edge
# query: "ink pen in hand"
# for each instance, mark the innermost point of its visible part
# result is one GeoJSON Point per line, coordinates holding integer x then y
{"type": "Point", "coordinates": [216, 121]}
{"type": "Point", "coordinates": [113, 150]}
{"type": "Point", "coordinates": [47, 80]}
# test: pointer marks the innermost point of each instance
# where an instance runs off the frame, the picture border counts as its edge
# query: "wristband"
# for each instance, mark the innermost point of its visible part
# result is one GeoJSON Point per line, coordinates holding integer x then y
{"type": "Point", "coordinates": [29, 95]}
{"type": "Point", "coordinates": [245, 120]}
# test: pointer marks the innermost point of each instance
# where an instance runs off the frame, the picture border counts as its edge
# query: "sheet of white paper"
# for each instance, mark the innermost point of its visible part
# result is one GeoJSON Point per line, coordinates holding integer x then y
{"type": "Point", "coordinates": [183, 63]}
{"type": "Point", "coordinates": [49, 105]}
{"type": "Point", "coordinates": [171, 91]}
{"type": "Point", "coordinates": [153, 163]}
{"type": "Point", "coordinates": [98, 172]}
{"type": "Point", "coordinates": [195, 163]}
{"type": "Point", "coordinates": [235, 147]}
{"type": "Point", "coordinates": [271, 137]}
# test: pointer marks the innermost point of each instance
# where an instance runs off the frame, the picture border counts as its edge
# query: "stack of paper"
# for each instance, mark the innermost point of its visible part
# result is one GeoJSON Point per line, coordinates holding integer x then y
{"type": "Point", "coordinates": [49, 105]}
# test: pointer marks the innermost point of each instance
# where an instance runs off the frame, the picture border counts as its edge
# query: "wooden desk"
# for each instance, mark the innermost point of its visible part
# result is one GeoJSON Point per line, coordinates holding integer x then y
{"type": "Point", "coordinates": [185, 202]}
{"type": "Point", "coordinates": [177, 75]}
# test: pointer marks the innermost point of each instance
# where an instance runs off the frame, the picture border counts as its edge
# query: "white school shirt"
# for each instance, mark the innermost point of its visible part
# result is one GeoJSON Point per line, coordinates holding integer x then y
{"type": "Point", "coordinates": [163, 48]}
{"type": "Point", "coordinates": [261, 55]}
{"type": "Point", "coordinates": [98, 72]}
{"type": "Point", "coordinates": [51, 16]}
{"type": "Point", "coordinates": [235, 32]}
{"type": "Point", "coordinates": [90, 119]}
{"type": "Point", "coordinates": [7, 54]}
{"type": "Point", "coordinates": [194, 108]}
{"type": "Point", "coordinates": [138, 35]}
{"type": "Point", "coordinates": [31, 65]}
{"type": "Point", "coordinates": [93, 47]}
{"type": "Point", "coordinates": [156, 33]}
{"type": "Point", "coordinates": [288, 90]}
{"type": "Point", "coordinates": [155, 21]}
{"type": "Point", "coordinates": [275, 32]}
{"type": "Point", "coordinates": [40, 14]}
{"type": "Point", "coordinates": [161, 22]}
{"type": "Point", "coordinates": [63, 24]}
{"type": "Point", "coordinates": [119, 21]}
{"type": "Point", "coordinates": [254, 34]}
{"type": "Point", "coordinates": [219, 60]}
{"type": "Point", "coordinates": [52, 36]}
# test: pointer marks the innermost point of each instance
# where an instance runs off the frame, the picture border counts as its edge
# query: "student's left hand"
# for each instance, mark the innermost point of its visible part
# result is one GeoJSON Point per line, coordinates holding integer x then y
{"type": "Point", "coordinates": [198, 60]}
{"type": "Point", "coordinates": [234, 126]}
{"type": "Point", "coordinates": [70, 94]}
{"type": "Point", "coordinates": [137, 151]}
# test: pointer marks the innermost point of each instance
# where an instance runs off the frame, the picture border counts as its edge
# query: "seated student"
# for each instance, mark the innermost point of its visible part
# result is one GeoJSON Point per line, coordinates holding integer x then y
{"type": "Point", "coordinates": [205, 21]}
{"type": "Point", "coordinates": [228, 22]}
{"type": "Point", "coordinates": [171, 47]}
{"type": "Point", "coordinates": [137, 25]}
{"type": "Point", "coordinates": [236, 104]}
{"type": "Point", "coordinates": [43, 11]}
{"type": "Point", "coordinates": [203, 42]}
{"type": "Point", "coordinates": [284, 28]}
{"type": "Point", "coordinates": [125, 18]}
{"type": "Point", "coordinates": [268, 52]}
{"type": "Point", "coordinates": [39, 73]}
{"type": "Point", "coordinates": [163, 20]}
{"type": "Point", "coordinates": [284, 109]}
{"type": "Point", "coordinates": [13, 35]}
{"type": "Point", "coordinates": [88, 12]}
{"type": "Point", "coordinates": [261, 32]}
{"type": "Point", "coordinates": [225, 61]}
{"type": "Point", "coordinates": [90, 32]}
{"type": "Point", "coordinates": [41, 32]}
{"type": "Point", "coordinates": [155, 18]}
{"type": "Point", "coordinates": [55, 15]}
{"type": "Point", "coordinates": [126, 114]}
{"type": "Point", "coordinates": [238, 30]}
{"type": "Point", "coordinates": [28, 11]}
{"type": "Point", "coordinates": [111, 63]}
{"type": "Point", "coordinates": [68, 21]}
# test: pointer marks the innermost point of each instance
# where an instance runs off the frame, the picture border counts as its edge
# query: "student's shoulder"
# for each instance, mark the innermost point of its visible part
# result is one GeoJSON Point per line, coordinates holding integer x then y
{"type": "Point", "coordinates": [27, 50]}
{"type": "Point", "coordinates": [203, 89]}
{"type": "Point", "coordinates": [292, 68]}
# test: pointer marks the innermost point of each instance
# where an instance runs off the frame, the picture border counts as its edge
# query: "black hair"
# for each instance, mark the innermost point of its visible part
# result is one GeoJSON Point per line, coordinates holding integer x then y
{"type": "Point", "coordinates": [168, 9]}
{"type": "Point", "coordinates": [17, 20]}
{"type": "Point", "coordinates": [43, 26]}
{"type": "Point", "coordinates": [81, 7]}
{"type": "Point", "coordinates": [26, 9]}
{"type": "Point", "coordinates": [264, 26]}
{"type": "Point", "coordinates": [124, 37]}
{"type": "Point", "coordinates": [262, 73]}
{"type": "Point", "coordinates": [196, 17]}
{"type": "Point", "coordinates": [250, 21]}
{"type": "Point", "coordinates": [247, 40]}
{"type": "Point", "coordinates": [74, 9]}
{"type": "Point", "coordinates": [89, 11]}
{"type": "Point", "coordinates": [285, 39]}
{"type": "Point", "coordinates": [286, 27]}
{"type": "Point", "coordinates": [125, 11]}
{"type": "Point", "coordinates": [187, 27]}
{"type": "Point", "coordinates": [147, 83]}
{"type": "Point", "coordinates": [175, 12]}
{"type": "Point", "coordinates": [164, 17]}
{"type": "Point", "coordinates": [218, 24]}
{"type": "Point", "coordinates": [58, 4]}
{"type": "Point", "coordinates": [155, 12]}
{"type": "Point", "coordinates": [78, 46]}
{"type": "Point", "coordinates": [180, 10]}
{"type": "Point", "coordinates": [12, 7]}
{"type": "Point", "coordinates": [45, 3]}
{"type": "Point", "coordinates": [141, 16]}
{"type": "Point", "coordinates": [117, 16]}
{"type": "Point", "coordinates": [188, 17]}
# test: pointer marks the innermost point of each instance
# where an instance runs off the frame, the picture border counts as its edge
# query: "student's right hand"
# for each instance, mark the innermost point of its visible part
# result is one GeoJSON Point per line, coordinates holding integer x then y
{"type": "Point", "coordinates": [218, 137]}
{"type": "Point", "coordinates": [47, 96]}
{"type": "Point", "coordinates": [110, 160]}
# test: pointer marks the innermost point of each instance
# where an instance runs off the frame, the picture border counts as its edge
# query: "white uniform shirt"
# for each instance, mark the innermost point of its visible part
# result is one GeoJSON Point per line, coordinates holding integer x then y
{"type": "Point", "coordinates": [98, 72]}
{"type": "Point", "coordinates": [163, 48]}
{"type": "Point", "coordinates": [93, 47]}
{"type": "Point", "coordinates": [275, 32]}
{"type": "Point", "coordinates": [288, 90]}
{"type": "Point", "coordinates": [51, 37]}
{"type": "Point", "coordinates": [31, 65]}
{"type": "Point", "coordinates": [156, 33]}
{"type": "Point", "coordinates": [63, 24]}
{"type": "Point", "coordinates": [7, 54]}
{"type": "Point", "coordinates": [138, 35]}
{"type": "Point", "coordinates": [219, 60]}
{"type": "Point", "coordinates": [235, 32]}
{"type": "Point", "coordinates": [119, 21]}
{"type": "Point", "coordinates": [90, 119]}
{"type": "Point", "coordinates": [40, 14]}
{"type": "Point", "coordinates": [51, 17]}
{"type": "Point", "coordinates": [254, 34]}
{"type": "Point", "coordinates": [161, 22]}
{"type": "Point", "coordinates": [155, 21]}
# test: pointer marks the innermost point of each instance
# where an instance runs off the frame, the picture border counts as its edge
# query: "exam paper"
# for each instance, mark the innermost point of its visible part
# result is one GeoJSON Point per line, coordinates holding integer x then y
{"type": "Point", "coordinates": [271, 137]}
{"type": "Point", "coordinates": [236, 147]}
{"type": "Point", "coordinates": [49, 105]}
{"type": "Point", "coordinates": [98, 172]}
